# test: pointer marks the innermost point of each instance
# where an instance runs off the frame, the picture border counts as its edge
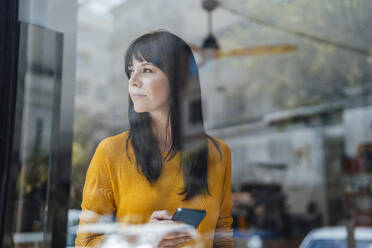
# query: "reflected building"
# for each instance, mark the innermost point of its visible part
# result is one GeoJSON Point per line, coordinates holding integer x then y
{"type": "Point", "coordinates": [302, 151]}
{"type": "Point", "coordinates": [92, 77]}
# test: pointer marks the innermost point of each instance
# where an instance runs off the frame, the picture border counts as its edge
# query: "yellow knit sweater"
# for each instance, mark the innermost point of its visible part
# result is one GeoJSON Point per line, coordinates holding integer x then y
{"type": "Point", "coordinates": [113, 186]}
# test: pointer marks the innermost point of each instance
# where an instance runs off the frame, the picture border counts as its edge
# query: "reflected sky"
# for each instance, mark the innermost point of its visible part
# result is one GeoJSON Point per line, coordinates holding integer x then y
{"type": "Point", "coordinates": [101, 7]}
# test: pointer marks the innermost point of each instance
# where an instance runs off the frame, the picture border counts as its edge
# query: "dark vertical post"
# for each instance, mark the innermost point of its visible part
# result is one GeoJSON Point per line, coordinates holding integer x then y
{"type": "Point", "coordinates": [9, 42]}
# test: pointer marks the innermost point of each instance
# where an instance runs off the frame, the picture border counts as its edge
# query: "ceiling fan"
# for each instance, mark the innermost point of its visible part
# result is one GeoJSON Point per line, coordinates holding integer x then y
{"type": "Point", "coordinates": [210, 48]}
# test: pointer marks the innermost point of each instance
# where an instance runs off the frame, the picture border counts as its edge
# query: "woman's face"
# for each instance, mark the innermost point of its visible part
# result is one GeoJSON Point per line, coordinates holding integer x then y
{"type": "Point", "coordinates": [148, 87]}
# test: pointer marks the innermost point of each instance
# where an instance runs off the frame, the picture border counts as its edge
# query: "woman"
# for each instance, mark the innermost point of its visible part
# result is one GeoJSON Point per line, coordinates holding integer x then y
{"type": "Point", "coordinates": [162, 162]}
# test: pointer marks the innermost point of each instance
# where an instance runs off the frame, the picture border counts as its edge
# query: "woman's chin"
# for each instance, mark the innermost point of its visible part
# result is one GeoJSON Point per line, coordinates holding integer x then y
{"type": "Point", "coordinates": [140, 110]}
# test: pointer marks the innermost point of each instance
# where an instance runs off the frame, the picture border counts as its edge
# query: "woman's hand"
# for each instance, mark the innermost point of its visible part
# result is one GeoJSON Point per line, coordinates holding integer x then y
{"type": "Point", "coordinates": [174, 239]}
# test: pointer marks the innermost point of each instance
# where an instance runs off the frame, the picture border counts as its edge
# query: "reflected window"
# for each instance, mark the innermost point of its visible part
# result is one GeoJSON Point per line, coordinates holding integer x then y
{"type": "Point", "coordinates": [100, 93]}
{"type": "Point", "coordinates": [81, 87]}
{"type": "Point", "coordinates": [82, 60]}
{"type": "Point", "coordinates": [30, 204]}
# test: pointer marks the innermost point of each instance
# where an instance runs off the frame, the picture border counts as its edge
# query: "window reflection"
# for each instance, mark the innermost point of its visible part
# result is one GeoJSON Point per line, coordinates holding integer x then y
{"type": "Point", "coordinates": [30, 200]}
{"type": "Point", "coordinates": [299, 123]}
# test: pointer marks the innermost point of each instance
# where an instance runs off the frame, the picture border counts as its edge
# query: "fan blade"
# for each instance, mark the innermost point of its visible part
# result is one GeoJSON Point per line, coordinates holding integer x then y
{"type": "Point", "coordinates": [195, 48]}
{"type": "Point", "coordinates": [258, 50]}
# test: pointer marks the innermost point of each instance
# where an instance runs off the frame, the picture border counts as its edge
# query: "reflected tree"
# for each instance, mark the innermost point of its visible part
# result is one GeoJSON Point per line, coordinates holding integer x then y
{"type": "Point", "coordinates": [87, 133]}
{"type": "Point", "coordinates": [333, 61]}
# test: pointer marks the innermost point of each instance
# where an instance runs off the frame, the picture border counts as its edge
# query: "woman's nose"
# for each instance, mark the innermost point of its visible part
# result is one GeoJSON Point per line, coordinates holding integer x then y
{"type": "Point", "coordinates": [134, 80]}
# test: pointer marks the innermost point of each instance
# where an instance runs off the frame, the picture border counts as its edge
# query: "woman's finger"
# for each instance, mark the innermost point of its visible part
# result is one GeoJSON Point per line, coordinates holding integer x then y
{"type": "Point", "coordinates": [161, 215]}
{"type": "Point", "coordinates": [174, 242]}
{"type": "Point", "coordinates": [174, 239]}
{"type": "Point", "coordinates": [162, 221]}
{"type": "Point", "coordinates": [177, 235]}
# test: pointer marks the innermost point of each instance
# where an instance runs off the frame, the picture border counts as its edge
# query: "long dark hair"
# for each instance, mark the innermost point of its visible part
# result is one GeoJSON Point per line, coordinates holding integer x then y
{"type": "Point", "coordinates": [174, 57]}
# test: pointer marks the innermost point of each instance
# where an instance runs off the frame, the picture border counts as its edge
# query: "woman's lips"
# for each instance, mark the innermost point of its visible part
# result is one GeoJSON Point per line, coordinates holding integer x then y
{"type": "Point", "coordinates": [138, 95]}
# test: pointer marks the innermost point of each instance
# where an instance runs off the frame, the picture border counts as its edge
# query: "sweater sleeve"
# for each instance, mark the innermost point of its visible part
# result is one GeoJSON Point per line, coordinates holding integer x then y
{"type": "Point", "coordinates": [98, 202]}
{"type": "Point", "coordinates": [224, 234]}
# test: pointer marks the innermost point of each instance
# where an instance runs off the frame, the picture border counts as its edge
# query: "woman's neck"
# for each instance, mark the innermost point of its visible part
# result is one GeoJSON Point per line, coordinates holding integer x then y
{"type": "Point", "coordinates": [162, 131]}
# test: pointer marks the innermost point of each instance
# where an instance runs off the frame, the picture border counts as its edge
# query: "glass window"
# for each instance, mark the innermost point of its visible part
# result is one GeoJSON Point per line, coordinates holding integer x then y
{"type": "Point", "coordinates": [286, 85]}
{"type": "Point", "coordinates": [30, 202]}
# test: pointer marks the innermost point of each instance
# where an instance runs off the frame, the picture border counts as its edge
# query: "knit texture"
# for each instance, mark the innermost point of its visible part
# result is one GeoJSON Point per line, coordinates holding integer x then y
{"type": "Point", "coordinates": [114, 187]}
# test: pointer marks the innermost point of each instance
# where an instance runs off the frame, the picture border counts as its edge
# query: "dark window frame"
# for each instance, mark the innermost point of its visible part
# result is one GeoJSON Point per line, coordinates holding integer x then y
{"type": "Point", "coordinates": [9, 46]}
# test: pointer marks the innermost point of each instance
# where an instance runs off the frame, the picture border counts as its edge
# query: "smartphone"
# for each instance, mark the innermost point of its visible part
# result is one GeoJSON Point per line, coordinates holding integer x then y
{"type": "Point", "coordinates": [192, 217]}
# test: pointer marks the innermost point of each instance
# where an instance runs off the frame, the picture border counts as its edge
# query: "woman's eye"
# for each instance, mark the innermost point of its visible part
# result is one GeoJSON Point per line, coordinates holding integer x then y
{"type": "Point", "coordinates": [147, 70]}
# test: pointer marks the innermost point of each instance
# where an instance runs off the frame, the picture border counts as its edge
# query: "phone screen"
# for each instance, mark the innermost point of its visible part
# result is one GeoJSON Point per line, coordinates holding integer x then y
{"type": "Point", "coordinates": [192, 217]}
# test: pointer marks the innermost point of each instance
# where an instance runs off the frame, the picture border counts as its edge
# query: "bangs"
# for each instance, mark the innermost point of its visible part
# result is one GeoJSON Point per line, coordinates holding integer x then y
{"type": "Point", "coordinates": [146, 48]}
